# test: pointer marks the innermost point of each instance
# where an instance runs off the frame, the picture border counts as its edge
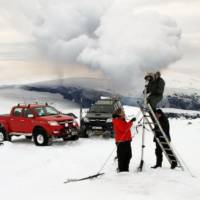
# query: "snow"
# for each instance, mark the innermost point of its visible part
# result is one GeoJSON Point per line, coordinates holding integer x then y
{"type": "Point", "coordinates": [31, 172]}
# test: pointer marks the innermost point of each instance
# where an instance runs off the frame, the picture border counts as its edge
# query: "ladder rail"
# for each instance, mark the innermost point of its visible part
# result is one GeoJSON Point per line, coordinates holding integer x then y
{"type": "Point", "coordinates": [163, 133]}
{"type": "Point", "coordinates": [157, 140]}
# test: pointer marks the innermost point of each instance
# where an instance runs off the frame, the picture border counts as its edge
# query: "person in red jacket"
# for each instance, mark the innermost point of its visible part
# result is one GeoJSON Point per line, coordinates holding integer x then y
{"type": "Point", "coordinates": [123, 139]}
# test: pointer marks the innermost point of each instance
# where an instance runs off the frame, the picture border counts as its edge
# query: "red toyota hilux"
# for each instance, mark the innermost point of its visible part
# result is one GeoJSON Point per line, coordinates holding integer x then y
{"type": "Point", "coordinates": [40, 122]}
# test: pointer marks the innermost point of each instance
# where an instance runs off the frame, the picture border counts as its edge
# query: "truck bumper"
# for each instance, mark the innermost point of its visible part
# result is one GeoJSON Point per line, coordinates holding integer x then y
{"type": "Point", "coordinates": [99, 127]}
{"type": "Point", "coordinates": [65, 132]}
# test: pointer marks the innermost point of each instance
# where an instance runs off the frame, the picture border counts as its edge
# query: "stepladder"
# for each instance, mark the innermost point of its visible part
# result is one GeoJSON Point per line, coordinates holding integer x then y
{"type": "Point", "coordinates": [151, 121]}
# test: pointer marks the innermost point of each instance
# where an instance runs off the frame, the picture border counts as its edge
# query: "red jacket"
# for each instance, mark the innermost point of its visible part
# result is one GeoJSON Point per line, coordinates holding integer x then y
{"type": "Point", "coordinates": [122, 130]}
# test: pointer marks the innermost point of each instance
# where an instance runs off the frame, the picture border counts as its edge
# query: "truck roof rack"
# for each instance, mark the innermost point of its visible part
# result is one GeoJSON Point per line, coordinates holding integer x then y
{"type": "Point", "coordinates": [34, 103]}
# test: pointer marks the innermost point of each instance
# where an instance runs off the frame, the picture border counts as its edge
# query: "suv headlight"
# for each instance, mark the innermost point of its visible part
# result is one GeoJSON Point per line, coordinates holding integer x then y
{"type": "Point", "coordinates": [75, 122]}
{"type": "Point", "coordinates": [109, 120]}
{"type": "Point", "coordinates": [53, 123]}
{"type": "Point", "coordinates": [85, 119]}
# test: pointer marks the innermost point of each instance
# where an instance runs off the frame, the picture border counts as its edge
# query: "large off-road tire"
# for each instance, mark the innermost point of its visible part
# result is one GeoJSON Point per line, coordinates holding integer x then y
{"type": "Point", "coordinates": [40, 137]}
{"type": "Point", "coordinates": [74, 137]}
{"type": "Point", "coordinates": [112, 134]}
{"type": "Point", "coordinates": [83, 132]}
{"type": "Point", "coordinates": [4, 136]}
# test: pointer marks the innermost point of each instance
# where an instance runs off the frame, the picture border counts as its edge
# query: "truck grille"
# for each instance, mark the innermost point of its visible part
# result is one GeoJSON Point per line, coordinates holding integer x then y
{"type": "Point", "coordinates": [64, 122]}
{"type": "Point", "coordinates": [97, 120]}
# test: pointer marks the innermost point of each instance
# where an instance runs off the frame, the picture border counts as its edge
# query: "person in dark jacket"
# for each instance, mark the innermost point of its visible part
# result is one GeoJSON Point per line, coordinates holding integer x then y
{"type": "Point", "coordinates": [154, 89]}
{"type": "Point", "coordinates": [164, 122]}
{"type": "Point", "coordinates": [123, 139]}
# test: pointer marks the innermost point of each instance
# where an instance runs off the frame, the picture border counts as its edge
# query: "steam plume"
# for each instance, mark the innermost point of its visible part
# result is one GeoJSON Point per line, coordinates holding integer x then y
{"type": "Point", "coordinates": [112, 35]}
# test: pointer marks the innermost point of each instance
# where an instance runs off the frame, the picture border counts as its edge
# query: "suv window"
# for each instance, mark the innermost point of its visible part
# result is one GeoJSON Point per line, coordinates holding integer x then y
{"type": "Point", "coordinates": [102, 108]}
{"type": "Point", "coordinates": [17, 112]}
{"type": "Point", "coordinates": [26, 112]}
{"type": "Point", "coordinates": [45, 111]}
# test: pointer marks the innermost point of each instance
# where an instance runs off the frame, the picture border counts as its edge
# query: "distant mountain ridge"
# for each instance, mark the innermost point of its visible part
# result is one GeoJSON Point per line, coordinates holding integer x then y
{"type": "Point", "coordinates": [81, 91]}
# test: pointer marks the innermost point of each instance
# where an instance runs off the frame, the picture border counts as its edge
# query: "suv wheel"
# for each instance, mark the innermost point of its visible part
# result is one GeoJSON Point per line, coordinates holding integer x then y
{"type": "Point", "coordinates": [112, 134]}
{"type": "Point", "coordinates": [4, 136]}
{"type": "Point", "coordinates": [40, 137]}
{"type": "Point", "coordinates": [74, 137]}
{"type": "Point", "coordinates": [83, 132]}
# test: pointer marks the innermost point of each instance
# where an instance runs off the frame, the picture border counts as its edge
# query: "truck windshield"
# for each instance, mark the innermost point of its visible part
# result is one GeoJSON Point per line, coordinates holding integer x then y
{"type": "Point", "coordinates": [101, 108]}
{"type": "Point", "coordinates": [46, 111]}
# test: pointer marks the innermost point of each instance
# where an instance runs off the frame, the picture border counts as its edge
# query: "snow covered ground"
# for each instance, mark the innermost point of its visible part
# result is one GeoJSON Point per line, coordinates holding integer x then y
{"type": "Point", "coordinates": [31, 172]}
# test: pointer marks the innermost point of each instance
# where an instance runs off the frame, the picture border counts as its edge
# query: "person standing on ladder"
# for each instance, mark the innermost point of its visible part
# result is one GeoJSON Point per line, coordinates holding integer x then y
{"type": "Point", "coordinates": [164, 122]}
{"type": "Point", "coordinates": [122, 130]}
{"type": "Point", "coordinates": [154, 89]}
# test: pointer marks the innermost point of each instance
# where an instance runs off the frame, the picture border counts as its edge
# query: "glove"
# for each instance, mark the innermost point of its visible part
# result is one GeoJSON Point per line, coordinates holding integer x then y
{"type": "Point", "coordinates": [115, 115]}
{"type": "Point", "coordinates": [133, 119]}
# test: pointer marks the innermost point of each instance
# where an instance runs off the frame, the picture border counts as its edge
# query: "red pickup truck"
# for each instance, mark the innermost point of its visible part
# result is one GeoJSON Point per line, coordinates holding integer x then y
{"type": "Point", "coordinates": [42, 122]}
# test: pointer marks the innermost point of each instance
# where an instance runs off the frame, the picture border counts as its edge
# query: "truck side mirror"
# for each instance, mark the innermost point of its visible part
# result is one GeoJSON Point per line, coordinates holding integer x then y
{"type": "Point", "coordinates": [30, 116]}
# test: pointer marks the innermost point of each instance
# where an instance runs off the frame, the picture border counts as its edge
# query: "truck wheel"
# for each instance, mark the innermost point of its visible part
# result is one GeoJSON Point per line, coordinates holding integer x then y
{"type": "Point", "coordinates": [74, 137]}
{"type": "Point", "coordinates": [40, 137]}
{"type": "Point", "coordinates": [83, 132]}
{"type": "Point", "coordinates": [112, 134]}
{"type": "Point", "coordinates": [4, 136]}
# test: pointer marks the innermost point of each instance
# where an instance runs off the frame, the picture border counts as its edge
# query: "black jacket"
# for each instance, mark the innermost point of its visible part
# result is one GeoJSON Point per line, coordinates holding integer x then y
{"type": "Point", "coordinates": [156, 87]}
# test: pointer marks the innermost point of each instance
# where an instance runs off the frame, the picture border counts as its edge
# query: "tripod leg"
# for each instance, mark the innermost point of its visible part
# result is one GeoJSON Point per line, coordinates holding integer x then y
{"type": "Point", "coordinates": [142, 150]}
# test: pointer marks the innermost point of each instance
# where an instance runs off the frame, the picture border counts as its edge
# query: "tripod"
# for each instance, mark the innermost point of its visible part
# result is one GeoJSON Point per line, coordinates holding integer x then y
{"type": "Point", "coordinates": [143, 130]}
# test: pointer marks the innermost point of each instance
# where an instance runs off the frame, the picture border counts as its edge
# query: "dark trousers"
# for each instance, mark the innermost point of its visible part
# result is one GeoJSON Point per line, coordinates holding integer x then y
{"type": "Point", "coordinates": [159, 156]}
{"type": "Point", "coordinates": [153, 100]}
{"type": "Point", "coordinates": [124, 154]}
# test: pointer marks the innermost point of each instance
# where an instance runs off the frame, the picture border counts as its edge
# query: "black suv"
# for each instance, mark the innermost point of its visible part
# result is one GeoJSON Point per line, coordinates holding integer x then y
{"type": "Point", "coordinates": [98, 119]}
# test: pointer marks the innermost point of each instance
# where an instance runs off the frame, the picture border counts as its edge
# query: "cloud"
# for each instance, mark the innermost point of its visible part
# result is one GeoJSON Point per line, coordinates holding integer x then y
{"type": "Point", "coordinates": [130, 43]}
{"type": "Point", "coordinates": [115, 36]}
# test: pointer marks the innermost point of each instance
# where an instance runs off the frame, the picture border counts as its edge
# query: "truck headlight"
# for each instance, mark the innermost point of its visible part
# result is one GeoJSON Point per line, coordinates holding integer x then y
{"type": "Point", "coordinates": [109, 120]}
{"type": "Point", "coordinates": [53, 123]}
{"type": "Point", "coordinates": [75, 123]}
{"type": "Point", "coordinates": [85, 119]}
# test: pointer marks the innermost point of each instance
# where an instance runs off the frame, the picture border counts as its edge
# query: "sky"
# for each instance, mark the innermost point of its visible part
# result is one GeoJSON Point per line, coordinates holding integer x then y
{"type": "Point", "coordinates": [42, 40]}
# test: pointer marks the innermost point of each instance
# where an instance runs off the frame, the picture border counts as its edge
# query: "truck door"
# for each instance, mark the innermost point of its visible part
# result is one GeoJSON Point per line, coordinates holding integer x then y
{"type": "Point", "coordinates": [27, 121]}
{"type": "Point", "coordinates": [15, 120]}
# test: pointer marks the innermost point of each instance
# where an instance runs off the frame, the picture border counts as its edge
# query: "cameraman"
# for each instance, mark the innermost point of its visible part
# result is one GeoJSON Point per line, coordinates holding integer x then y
{"type": "Point", "coordinates": [122, 130]}
{"type": "Point", "coordinates": [164, 122]}
{"type": "Point", "coordinates": [154, 89]}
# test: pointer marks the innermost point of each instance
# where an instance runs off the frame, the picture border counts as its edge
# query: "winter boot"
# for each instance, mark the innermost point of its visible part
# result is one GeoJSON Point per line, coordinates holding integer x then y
{"type": "Point", "coordinates": [158, 164]}
{"type": "Point", "coordinates": [173, 165]}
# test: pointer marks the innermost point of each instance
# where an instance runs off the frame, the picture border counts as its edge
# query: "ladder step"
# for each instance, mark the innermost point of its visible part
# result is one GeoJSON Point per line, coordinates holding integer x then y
{"type": "Point", "coordinates": [170, 155]}
{"type": "Point", "coordinates": [163, 142]}
{"type": "Point", "coordinates": [174, 160]}
{"type": "Point", "coordinates": [167, 149]}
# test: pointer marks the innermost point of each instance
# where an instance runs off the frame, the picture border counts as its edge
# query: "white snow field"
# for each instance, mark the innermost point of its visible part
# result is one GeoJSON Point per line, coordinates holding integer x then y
{"type": "Point", "coordinates": [36, 173]}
